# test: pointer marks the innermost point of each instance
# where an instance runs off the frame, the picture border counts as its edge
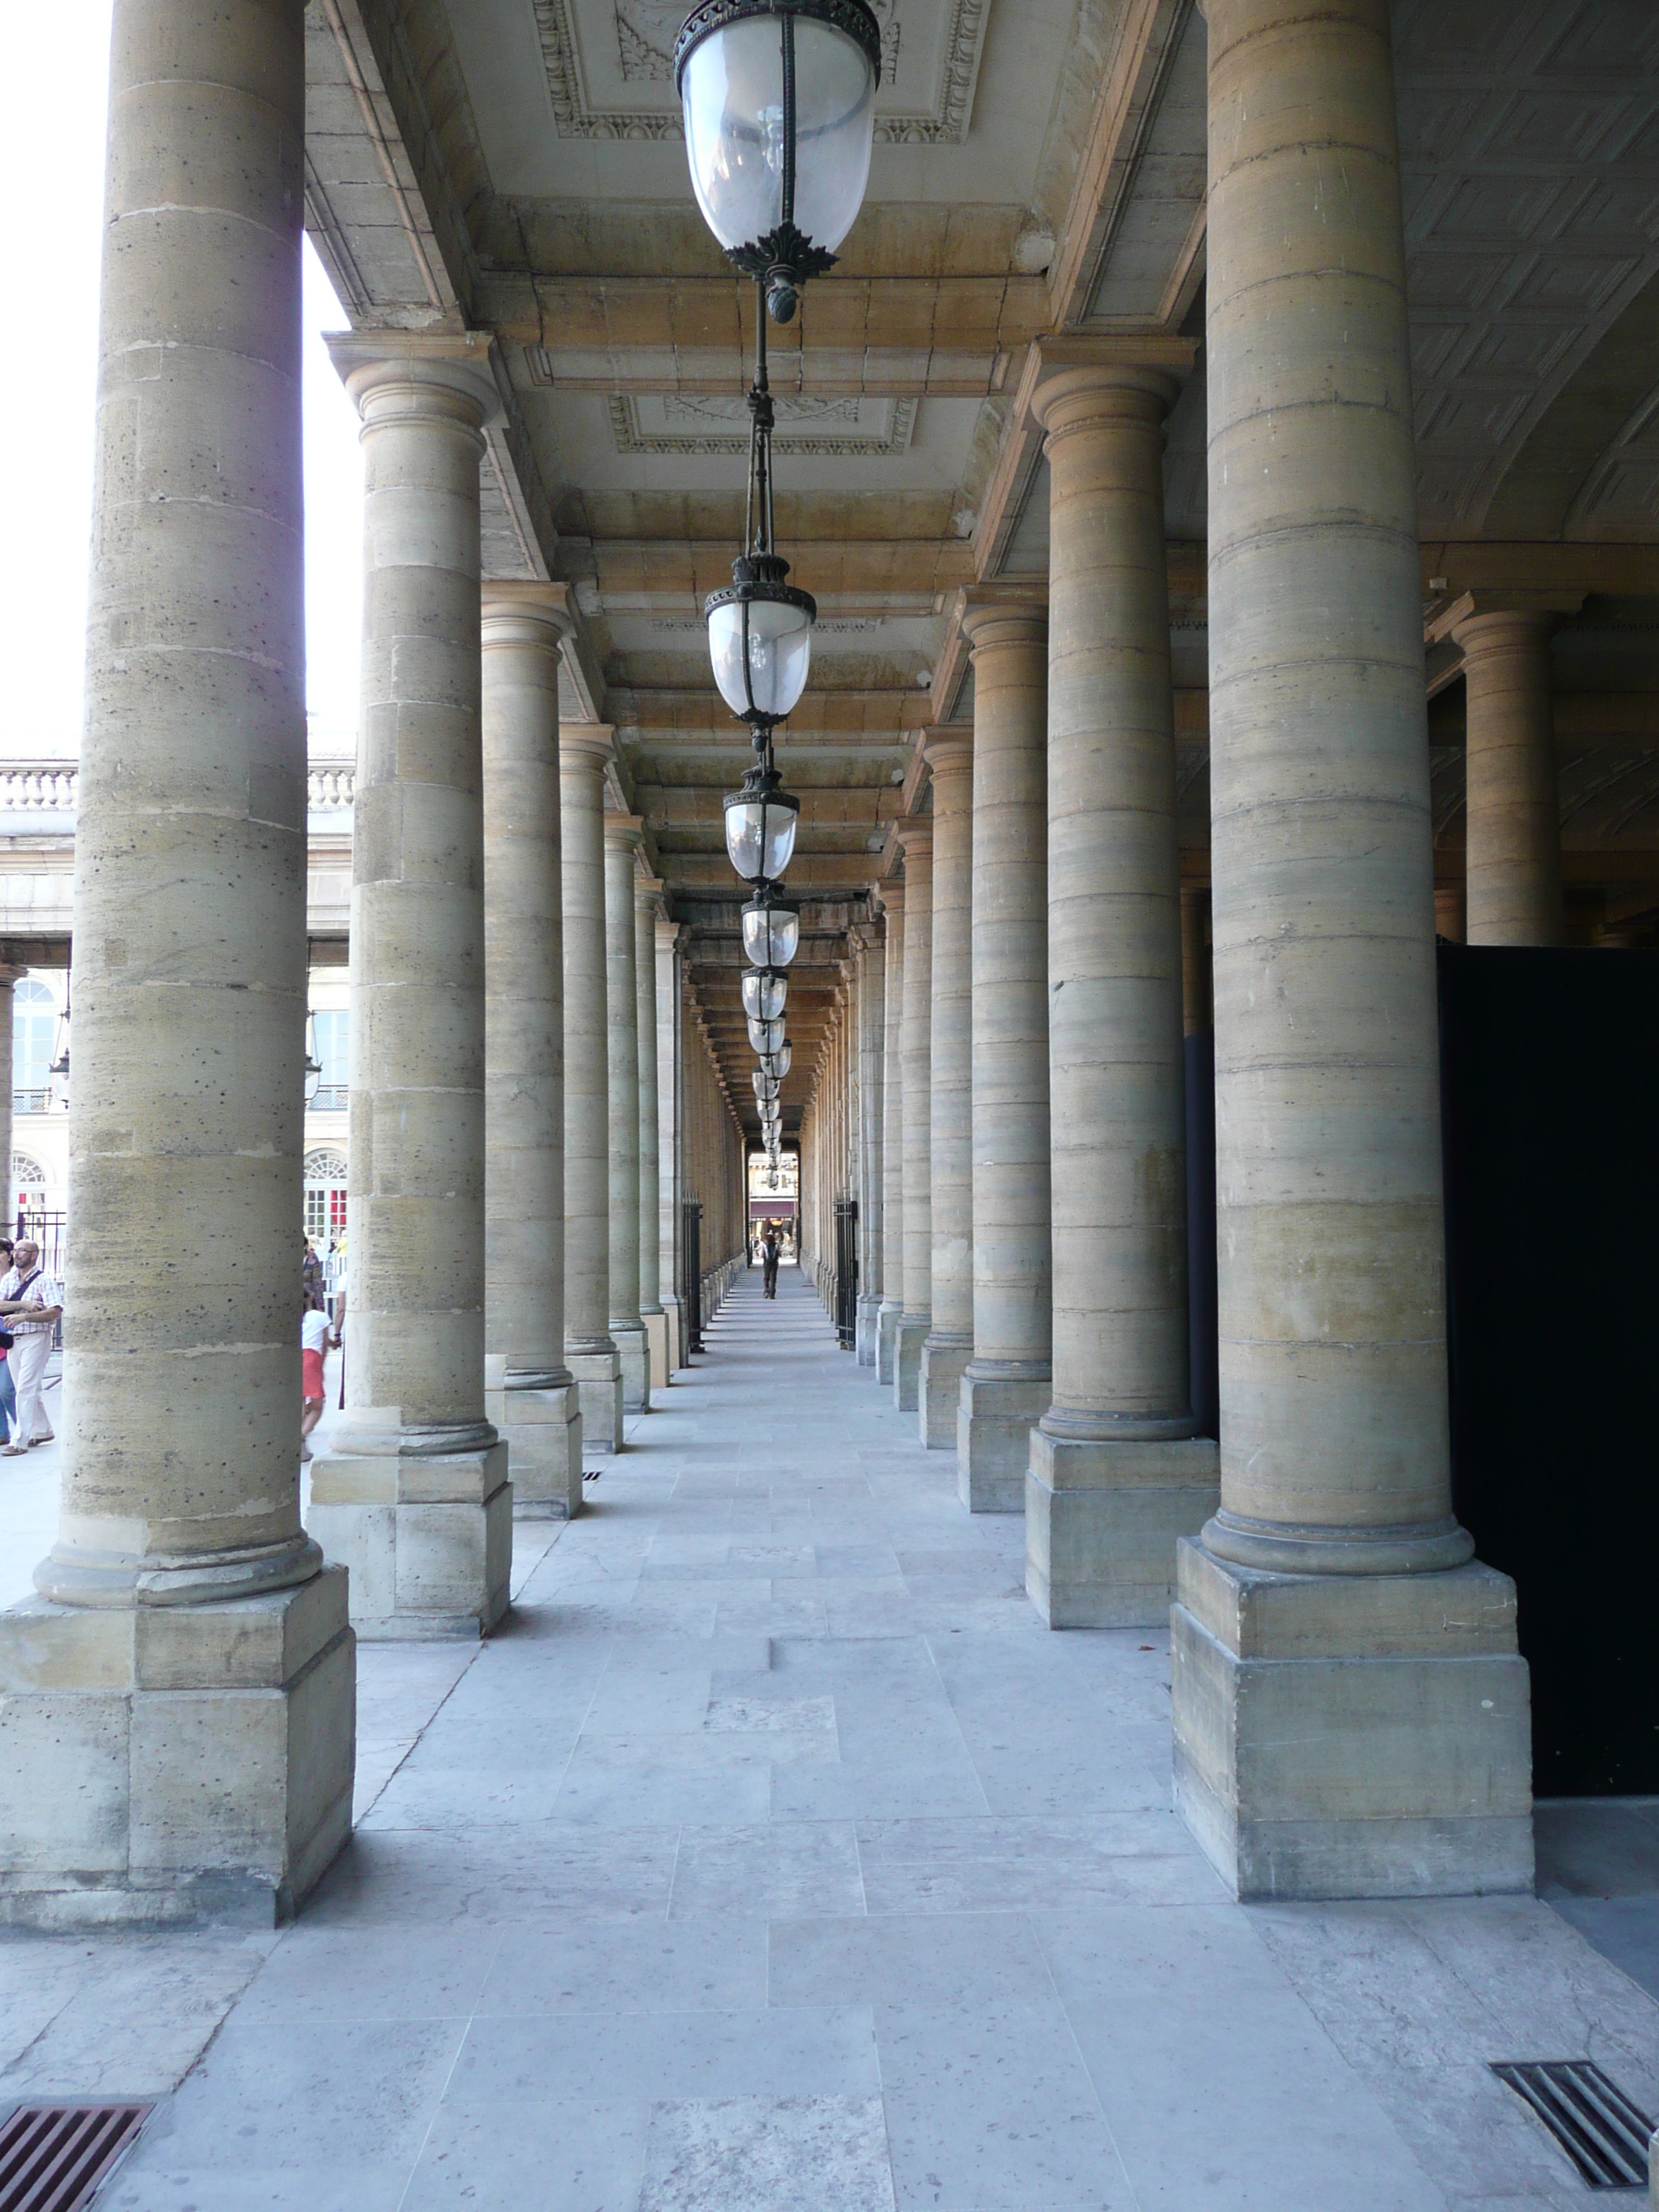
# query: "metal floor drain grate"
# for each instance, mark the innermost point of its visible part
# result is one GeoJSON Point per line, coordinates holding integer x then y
{"type": "Point", "coordinates": [1604, 2135]}
{"type": "Point", "coordinates": [53, 2156]}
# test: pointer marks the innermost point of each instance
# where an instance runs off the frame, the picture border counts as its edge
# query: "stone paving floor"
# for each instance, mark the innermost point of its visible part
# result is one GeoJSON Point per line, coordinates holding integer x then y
{"type": "Point", "coordinates": [773, 1859]}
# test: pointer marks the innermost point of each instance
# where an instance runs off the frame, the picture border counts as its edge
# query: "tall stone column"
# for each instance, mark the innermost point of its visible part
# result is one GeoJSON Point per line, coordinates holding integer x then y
{"type": "Point", "coordinates": [892, 893]}
{"type": "Point", "coordinates": [1350, 1715]}
{"type": "Point", "coordinates": [671, 1121]}
{"type": "Point", "coordinates": [414, 1495]}
{"type": "Point", "coordinates": [647, 906]}
{"type": "Point", "coordinates": [1005, 1388]}
{"type": "Point", "coordinates": [590, 1348]}
{"type": "Point", "coordinates": [1511, 810]}
{"type": "Point", "coordinates": [872, 1227]}
{"type": "Point", "coordinates": [180, 1700]}
{"type": "Point", "coordinates": [530, 1393]}
{"type": "Point", "coordinates": [1116, 1473]}
{"type": "Point", "coordinates": [622, 841]}
{"type": "Point", "coordinates": [950, 1341]}
{"type": "Point", "coordinates": [910, 1332]}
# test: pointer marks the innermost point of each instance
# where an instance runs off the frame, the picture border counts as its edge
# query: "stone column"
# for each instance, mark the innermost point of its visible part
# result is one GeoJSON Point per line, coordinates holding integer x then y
{"type": "Point", "coordinates": [1115, 1473]}
{"type": "Point", "coordinates": [647, 906]}
{"type": "Point", "coordinates": [179, 1701]}
{"type": "Point", "coordinates": [891, 894]}
{"type": "Point", "coordinates": [1451, 914]}
{"type": "Point", "coordinates": [622, 841]}
{"type": "Point", "coordinates": [590, 1348]}
{"type": "Point", "coordinates": [1005, 1388]}
{"type": "Point", "coordinates": [1511, 812]}
{"type": "Point", "coordinates": [949, 1342]}
{"type": "Point", "coordinates": [671, 1080]}
{"type": "Point", "coordinates": [910, 1332]}
{"type": "Point", "coordinates": [9, 978]}
{"type": "Point", "coordinates": [414, 1495]}
{"type": "Point", "coordinates": [1197, 997]}
{"type": "Point", "coordinates": [872, 1225]}
{"type": "Point", "coordinates": [1350, 1715]}
{"type": "Point", "coordinates": [530, 1393]}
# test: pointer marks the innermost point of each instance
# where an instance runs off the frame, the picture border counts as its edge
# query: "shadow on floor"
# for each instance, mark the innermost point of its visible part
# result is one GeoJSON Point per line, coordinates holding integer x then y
{"type": "Point", "coordinates": [1598, 1865]}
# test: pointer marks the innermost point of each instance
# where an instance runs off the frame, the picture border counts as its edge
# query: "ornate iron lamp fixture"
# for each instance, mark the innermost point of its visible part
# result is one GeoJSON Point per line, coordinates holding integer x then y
{"type": "Point", "coordinates": [771, 929]}
{"type": "Point", "coordinates": [764, 994]}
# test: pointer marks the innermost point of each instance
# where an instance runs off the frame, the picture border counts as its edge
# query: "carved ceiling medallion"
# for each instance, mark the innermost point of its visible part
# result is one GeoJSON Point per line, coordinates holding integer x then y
{"type": "Point", "coordinates": [611, 71]}
{"type": "Point", "coordinates": [668, 422]}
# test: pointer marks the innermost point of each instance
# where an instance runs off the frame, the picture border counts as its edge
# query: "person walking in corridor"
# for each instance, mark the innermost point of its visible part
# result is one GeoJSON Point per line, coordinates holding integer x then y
{"type": "Point", "coordinates": [31, 1305]}
{"type": "Point", "coordinates": [770, 1248]}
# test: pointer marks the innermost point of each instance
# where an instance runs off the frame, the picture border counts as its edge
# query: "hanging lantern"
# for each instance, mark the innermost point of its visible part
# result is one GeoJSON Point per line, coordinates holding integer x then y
{"type": "Point", "coordinates": [766, 1036]}
{"type": "Point", "coordinates": [766, 1086]}
{"type": "Point", "coordinates": [764, 994]}
{"type": "Point", "coordinates": [779, 101]}
{"type": "Point", "coordinates": [777, 1063]}
{"type": "Point", "coordinates": [760, 638]}
{"type": "Point", "coordinates": [760, 826]}
{"type": "Point", "coordinates": [771, 929]}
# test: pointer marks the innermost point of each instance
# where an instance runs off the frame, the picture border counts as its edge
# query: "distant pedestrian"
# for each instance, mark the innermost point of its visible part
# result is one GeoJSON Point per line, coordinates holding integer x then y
{"type": "Point", "coordinates": [771, 1245]}
{"type": "Point", "coordinates": [315, 1337]}
{"type": "Point", "coordinates": [31, 1306]}
{"type": "Point", "coordinates": [312, 1276]}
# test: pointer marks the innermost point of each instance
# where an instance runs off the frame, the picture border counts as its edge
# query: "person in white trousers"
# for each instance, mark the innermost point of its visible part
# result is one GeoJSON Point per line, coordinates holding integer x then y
{"type": "Point", "coordinates": [31, 1304]}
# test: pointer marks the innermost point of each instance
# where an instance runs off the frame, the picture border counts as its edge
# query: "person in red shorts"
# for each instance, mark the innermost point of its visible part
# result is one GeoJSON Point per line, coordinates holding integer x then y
{"type": "Point", "coordinates": [315, 1337]}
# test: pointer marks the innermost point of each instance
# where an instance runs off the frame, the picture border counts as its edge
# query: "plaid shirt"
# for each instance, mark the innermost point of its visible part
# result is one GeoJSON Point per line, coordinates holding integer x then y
{"type": "Point", "coordinates": [44, 1291]}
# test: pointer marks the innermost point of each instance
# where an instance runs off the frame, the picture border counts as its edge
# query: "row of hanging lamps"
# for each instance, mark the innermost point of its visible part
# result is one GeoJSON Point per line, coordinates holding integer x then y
{"type": "Point", "coordinates": [778, 101]}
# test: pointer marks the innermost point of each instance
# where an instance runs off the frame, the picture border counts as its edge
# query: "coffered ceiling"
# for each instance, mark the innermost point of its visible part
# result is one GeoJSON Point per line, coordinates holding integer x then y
{"type": "Point", "coordinates": [515, 166]}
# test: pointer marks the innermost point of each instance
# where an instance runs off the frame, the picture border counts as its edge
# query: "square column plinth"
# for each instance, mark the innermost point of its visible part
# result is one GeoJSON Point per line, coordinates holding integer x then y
{"type": "Point", "coordinates": [634, 1350]}
{"type": "Point", "coordinates": [1102, 1521]}
{"type": "Point", "coordinates": [429, 1539]}
{"type": "Point", "coordinates": [599, 1395]}
{"type": "Point", "coordinates": [1352, 1736]}
{"type": "Point", "coordinates": [887, 1322]}
{"type": "Point", "coordinates": [543, 1432]}
{"type": "Point", "coordinates": [658, 1332]}
{"type": "Point", "coordinates": [118, 1732]}
{"type": "Point", "coordinates": [995, 1416]}
{"type": "Point", "coordinates": [939, 1390]}
{"type": "Point", "coordinates": [909, 1337]}
{"type": "Point", "coordinates": [864, 1337]}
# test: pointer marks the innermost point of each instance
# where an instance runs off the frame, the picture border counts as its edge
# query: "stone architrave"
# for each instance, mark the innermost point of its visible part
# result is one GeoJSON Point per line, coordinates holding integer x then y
{"type": "Point", "coordinates": [1005, 1388]}
{"type": "Point", "coordinates": [530, 1393]}
{"type": "Point", "coordinates": [890, 892]}
{"type": "Point", "coordinates": [1116, 1473]}
{"type": "Point", "coordinates": [178, 1703]}
{"type": "Point", "coordinates": [1351, 1712]}
{"type": "Point", "coordinates": [910, 1331]}
{"type": "Point", "coordinates": [623, 837]}
{"type": "Point", "coordinates": [647, 909]}
{"type": "Point", "coordinates": [414, 1495]}
{"type": "Point", "coordinates": [949, 1345]}
{"type": "Point", "coordinates": [585, 752]}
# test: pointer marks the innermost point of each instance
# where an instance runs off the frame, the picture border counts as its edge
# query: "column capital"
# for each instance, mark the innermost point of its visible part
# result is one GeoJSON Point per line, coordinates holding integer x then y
{"type": "Point", "coordinates": [586, 745]}
{"type": "Point", "coordinates": [512, 612]}
{"type": "Point", "coordinates": [440, 375]}
{"type": "Point", "coordinates": [1076, 381]}
{"type": "Point", "coordinates": [1479, 619]}
{"type": "Point", "coordinates": [10, 974]}
{"type": "Point", "coordinates": [624, 833]}
{"type": "Point", "coordinates": [648, 895]}
{"type": "Point", "coordinates": [948, 751]}
{"type": "Point", "coordinates": [915, 835]}
{"type": "Point", "coordinates": [889, 895]}
{"type": "Point", "coordinates": [992, 615]}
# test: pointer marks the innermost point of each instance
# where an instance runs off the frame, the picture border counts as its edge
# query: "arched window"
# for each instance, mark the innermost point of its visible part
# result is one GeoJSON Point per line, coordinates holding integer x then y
{"type": "Point", "coordinates": [325, 1196]}
{"type": "Point", "coordinates": [33, 1044]}
{"type": "Point", "coordinates": [27, 1173]}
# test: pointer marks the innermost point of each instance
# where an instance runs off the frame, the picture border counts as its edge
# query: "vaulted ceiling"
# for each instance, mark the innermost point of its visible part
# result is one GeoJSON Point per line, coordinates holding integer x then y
{"type": "Point", "coordinates": [515, 166]}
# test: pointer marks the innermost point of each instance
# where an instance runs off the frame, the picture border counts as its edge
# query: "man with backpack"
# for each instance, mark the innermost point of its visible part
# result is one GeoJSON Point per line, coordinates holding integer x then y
{"type": "Point", "coordinates": [31, 1306]}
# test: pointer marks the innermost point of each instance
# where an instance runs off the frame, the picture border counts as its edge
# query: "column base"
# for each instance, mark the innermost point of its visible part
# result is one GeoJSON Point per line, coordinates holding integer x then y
{"type": "Point", "coordinates": [996, 1415]}
{"type": "Point", "coordinates": [428, 1538]}
{"type": "Point", "coordinates": [1352, 1736]}
{"type": "Point", "coordinates": [939, 1389]}
{"type": "Point", "coordinates": [634, 1350]}
{"type": "Point", "coordinates": [167, 1765]}
{"type": "Point", "coordinates": [599, 1395]}
{"type": "Point", "coordinates": [674, 1309]}
{"type": "Point", "coordinates": [1101, 1522]}
{"type": "Point", "coordinates": [864, 1332]}
{"type": "Point", "coordinates": [657, 1328]}
{"type": "Point", "coordinates": [887, 1322]}
{"type": "Point", "coordinates": [543, 1432]}
{"type": "Point", "coordinates": [910, 1335]}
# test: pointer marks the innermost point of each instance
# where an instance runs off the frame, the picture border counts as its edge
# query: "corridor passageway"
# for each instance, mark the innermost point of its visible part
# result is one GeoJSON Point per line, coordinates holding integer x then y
{"type": "Point", "coordinates": [774, 1856]}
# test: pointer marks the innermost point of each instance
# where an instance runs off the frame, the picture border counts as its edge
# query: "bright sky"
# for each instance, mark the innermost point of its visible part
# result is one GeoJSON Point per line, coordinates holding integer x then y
{"type": "Point", "coordinates": [48, 374]}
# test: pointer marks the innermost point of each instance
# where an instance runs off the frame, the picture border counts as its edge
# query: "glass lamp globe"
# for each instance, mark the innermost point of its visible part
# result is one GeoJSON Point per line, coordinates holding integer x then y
{"type": "Point", "coordinates": [771, 930]}
{"type": "Point", "coordinates": [760, 638]}
{"type": "Point", "coordinates": [766, 1036]}
{"type": "Point", "coordinates": [763, 996]}
{"type": "Point", "coordinates": [777, 1063]}
{"type": "Point", "coordinates": [766, 1086]}
{"type": "Point", "coordinates": [760, 821]}
{"type": "Point", "coordinates": [778, 98]}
